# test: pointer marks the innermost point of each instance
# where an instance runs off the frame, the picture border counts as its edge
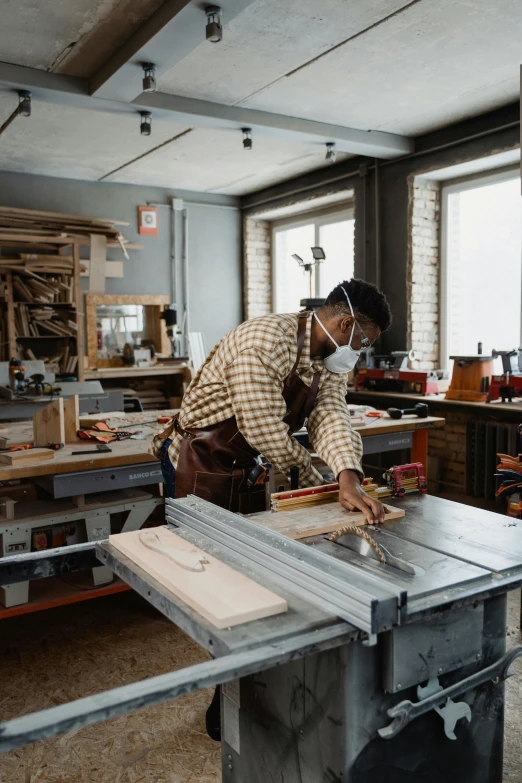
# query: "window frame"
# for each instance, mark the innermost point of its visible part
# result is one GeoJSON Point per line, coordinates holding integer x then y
{"type": "Point", "coordinates": [457, 185]}
{"type": "Point", "coordinates": [321, 217]}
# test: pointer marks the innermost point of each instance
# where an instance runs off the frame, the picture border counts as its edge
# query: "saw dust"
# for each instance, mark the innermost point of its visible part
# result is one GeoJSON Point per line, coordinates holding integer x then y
{"type": "Point", "coordinates": [52, 657]}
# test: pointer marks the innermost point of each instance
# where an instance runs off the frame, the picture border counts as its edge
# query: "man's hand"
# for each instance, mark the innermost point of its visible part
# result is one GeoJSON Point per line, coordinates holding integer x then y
{"type": "Point", "coordinates": [353, 497]}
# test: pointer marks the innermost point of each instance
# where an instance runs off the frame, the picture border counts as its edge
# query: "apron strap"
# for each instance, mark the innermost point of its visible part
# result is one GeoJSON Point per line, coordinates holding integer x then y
{"type": "Point", "coordinates": [301, 334]}
{"type": "Point", "coordinates": [312, 394]}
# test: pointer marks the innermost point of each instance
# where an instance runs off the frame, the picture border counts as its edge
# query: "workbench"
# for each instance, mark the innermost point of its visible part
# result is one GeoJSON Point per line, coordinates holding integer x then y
{"type": "Point", "coordinates": [91, 492]}
{"type": "Point", "coordinates": [399, 678]}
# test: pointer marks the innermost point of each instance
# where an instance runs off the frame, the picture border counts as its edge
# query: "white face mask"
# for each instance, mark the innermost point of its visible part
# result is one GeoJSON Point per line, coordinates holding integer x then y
{"type": "Point", "coordinates": [344, 358]}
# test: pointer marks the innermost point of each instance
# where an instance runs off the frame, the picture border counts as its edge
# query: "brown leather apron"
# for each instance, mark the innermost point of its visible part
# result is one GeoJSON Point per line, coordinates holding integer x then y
{"type": "Point", "coordinates": [214, 462]}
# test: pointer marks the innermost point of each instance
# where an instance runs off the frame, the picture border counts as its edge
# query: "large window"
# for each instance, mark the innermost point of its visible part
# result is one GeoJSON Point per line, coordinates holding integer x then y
{"type": "Point", "coordinates": [333, 232]}
{"type": "Point", "coordinates": [481, 265]}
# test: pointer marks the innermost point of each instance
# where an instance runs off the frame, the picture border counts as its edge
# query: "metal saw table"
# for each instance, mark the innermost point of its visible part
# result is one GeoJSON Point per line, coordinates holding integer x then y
{"type": "Point", "coordinates": [377, 673]}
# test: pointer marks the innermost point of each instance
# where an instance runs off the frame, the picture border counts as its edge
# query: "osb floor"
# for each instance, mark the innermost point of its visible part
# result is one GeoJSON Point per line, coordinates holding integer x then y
{"type": "Point", "coordinates": [62, 654]}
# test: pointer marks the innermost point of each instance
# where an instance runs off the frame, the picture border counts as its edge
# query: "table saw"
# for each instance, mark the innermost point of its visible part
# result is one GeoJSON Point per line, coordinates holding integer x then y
{"type": "Point", "coordinates": [388, 665]}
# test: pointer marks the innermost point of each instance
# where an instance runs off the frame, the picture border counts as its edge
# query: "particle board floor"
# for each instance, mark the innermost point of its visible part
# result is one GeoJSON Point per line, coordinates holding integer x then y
{"type": "Point", "coordinates": [49, 658]}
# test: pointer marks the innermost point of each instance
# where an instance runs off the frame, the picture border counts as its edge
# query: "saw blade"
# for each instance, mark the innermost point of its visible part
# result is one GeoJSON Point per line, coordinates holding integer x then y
{"type": "Point", "coordinates": [354, 530]}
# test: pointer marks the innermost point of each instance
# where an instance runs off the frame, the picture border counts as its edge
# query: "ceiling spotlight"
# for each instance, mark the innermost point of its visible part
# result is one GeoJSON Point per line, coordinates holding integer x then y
{"type": "Point", "coordinates": [24, 103]}
{"type": "Point", "coordinates": [330, 151]}
{"type": "Point", "coordinates": [247, 138]}
{"type": "Point", "coordinates": [214, 29]}
{"type": "Point", "coordinates": [146, 123]}
{"type": "Point", "coordinates": [149, 77]}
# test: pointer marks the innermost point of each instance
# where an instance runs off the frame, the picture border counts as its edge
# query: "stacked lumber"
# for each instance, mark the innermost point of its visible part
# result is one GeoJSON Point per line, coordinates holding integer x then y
{"type": "Point", "coordinates": [19, 226]}
{"type": "Point", "coordinates": [42, 321]}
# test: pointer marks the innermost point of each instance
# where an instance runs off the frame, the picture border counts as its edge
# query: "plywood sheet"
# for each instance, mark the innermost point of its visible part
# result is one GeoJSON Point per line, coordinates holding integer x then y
{"type": "Point", "coordinates": [223, 596]}
{"type": "Point", "coordinates": [314, 521]}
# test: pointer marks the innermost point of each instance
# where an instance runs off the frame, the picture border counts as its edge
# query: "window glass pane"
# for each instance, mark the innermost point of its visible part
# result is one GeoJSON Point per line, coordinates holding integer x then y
{"type": "Point", "coordinates": [484, 268]}
{"type": "Point", "coordinates": [336, 239]}
{"type": "Point", "coordinates": [291, 281]}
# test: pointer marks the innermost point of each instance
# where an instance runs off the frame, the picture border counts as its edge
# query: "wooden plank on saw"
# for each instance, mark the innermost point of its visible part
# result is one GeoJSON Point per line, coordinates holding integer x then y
{"type": "Point", "coordinates": [48, 424]}
{"type": "Point", "coordinates": [318, 520]}
{"type": "Point", "coordinates": [223, 596]}
{"type": "Point", "coordinates": [98, 261]}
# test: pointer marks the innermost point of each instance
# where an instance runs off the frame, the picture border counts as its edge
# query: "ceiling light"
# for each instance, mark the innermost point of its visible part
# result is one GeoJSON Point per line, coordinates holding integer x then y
{"type": "Point", "coordinates": [330, 151]}
{"type": "Point", "coordinates": [214, 29]}
{"type": "Point", "coordinates": [247, 138]}
{"type": "Point", "coordinates": [146, 123]}
{"type": "Point", "coordinates": [24, 103]}
{"type": "Point", "coordinates": [149, 77]}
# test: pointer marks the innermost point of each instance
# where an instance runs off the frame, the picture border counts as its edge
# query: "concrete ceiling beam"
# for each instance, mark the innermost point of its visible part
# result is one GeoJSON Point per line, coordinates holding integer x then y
{"type": "Point", "coordinates": [171, 33]}
{"type": "Point", "coordinates": [207, 114]}
{"type": "Point", "coordinates": [72, 91]}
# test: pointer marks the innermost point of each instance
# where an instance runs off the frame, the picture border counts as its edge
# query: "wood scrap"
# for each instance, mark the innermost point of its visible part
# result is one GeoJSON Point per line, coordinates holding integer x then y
{"type": "Point", "coordinates": [17, 458]}
{"type": "Point", "coordinates": [71, 413]}
{"type": "Point", "coordinates": [224, 596]}
{"type": "Point", "coordinates": [49, 424]}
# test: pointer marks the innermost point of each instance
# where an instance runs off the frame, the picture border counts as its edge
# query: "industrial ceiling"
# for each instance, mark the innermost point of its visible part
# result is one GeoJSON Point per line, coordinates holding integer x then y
{"type": "Point", "coordinates": [300, 73]}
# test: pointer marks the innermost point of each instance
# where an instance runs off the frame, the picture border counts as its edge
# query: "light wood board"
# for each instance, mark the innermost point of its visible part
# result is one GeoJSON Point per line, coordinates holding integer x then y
{"type": "Point", "coordinates": [318, 520]}
{"type": "Point", "coordinates": [223, 596]}
{"type": "Point", "coordinates": [26, 457]}
{"type": "Point", "coordinates": [71, 419]}
{"type": "Point", "coordinates": [48, 424]}
{"type": "Point", "coordinates": [98, 261]}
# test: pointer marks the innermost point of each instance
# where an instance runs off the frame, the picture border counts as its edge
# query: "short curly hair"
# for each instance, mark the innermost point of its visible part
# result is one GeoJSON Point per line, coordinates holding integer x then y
{"type": "Point", "coordinates": [370, 304]}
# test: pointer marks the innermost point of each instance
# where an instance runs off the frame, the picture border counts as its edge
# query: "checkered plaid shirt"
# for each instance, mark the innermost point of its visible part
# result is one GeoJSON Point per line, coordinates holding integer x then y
{"type": "Point", "coordinates": [243, 377]}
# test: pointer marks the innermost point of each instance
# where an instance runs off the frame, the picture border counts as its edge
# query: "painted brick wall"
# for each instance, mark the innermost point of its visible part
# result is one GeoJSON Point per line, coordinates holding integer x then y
{"type": "Point", "coordinates": [257, 268]}
{"type": "Point", "coordinates": [423, 277]}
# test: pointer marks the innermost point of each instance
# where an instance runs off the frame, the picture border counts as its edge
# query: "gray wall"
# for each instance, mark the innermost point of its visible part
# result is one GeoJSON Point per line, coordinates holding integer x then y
{"type": "Point", "coordinates": [381, 247]}
{"type": "Point", "coordinates": [214, 241]}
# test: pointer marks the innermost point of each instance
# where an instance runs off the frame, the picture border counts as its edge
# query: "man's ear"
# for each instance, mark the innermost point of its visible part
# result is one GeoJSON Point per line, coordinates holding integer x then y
{"type": "Point", "coordinates": [346, 323]}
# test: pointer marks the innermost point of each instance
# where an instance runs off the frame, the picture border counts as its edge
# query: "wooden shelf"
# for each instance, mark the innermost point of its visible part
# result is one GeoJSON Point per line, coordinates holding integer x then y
{"type": "Point", "coordinates": [54, 591]}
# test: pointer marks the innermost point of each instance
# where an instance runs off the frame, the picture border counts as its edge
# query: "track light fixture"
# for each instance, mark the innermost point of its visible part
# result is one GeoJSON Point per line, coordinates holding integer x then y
{"type": "Point", "coordinates": [247, 138]}
{"type": "Point", "coordinates": [146, 123]}
{"type": "Point", "coordinates": [24, 103]}
{"type": "Point", "coordinates": [330, 151]}
{"type": "Point", "coordinates": [149, 77]}
{"type": "Point", "coordinates": [214, 28]}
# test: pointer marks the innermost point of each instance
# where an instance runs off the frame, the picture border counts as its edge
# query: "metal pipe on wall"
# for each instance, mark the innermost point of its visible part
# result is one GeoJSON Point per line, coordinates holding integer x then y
{"type": "Point", "coordinates": [377, 220]}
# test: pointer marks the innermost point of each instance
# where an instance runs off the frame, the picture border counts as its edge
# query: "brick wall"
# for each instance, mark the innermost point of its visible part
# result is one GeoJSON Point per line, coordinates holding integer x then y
{"type": "Point", "coordinates": [449, 446]}
{"type": "Point", "coordinates": [423, 277]}
{"type": "Point", "coordinates": [257, 267]}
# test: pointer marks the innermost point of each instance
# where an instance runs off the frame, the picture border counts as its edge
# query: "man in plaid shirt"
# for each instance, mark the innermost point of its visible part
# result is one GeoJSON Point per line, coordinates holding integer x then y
{"type": "Point", "coordinates": [253, 379]}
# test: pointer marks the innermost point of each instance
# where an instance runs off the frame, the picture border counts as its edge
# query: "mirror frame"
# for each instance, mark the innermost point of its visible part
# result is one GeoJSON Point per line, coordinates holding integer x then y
{"type": "Point", "coordinates": [160, 338]}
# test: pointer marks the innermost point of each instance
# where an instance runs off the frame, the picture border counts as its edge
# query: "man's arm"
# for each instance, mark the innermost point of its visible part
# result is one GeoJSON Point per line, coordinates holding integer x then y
{"type": "Point", "coordinates": [330, 431]}
{"type": "Point", "coordinates": [259, 407]}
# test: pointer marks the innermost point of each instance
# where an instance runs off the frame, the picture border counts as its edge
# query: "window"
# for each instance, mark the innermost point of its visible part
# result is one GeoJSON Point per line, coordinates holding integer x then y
{"type": "Point", "coordinates": [334, 232]}
{"type": "Point", "coordinates": [481, 265]}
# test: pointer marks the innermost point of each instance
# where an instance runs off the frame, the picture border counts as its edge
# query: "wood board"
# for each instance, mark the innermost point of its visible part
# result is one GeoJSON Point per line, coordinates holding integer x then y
{"type": "Point", "coordinates": [223, 596]}
{"type": "Point", "coordinates": [48, 424]}
{"type": "Point", "coordinates": [71, 419]}
{"type": "Point", "coordinates": [26, 457]}
{"type": "Point", "coordinates": [318, 520]}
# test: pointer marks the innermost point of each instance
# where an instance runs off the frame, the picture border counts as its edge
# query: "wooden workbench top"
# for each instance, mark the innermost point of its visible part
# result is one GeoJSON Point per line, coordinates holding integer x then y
{"type": "Point", "coordinates": [132, 452]}
{"type": "Point", "coordinates": [380, 398]}
{"type": "Point", "coordinates": [124, 452]}
{"type": "Point", "coordinates": [406, 424]}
